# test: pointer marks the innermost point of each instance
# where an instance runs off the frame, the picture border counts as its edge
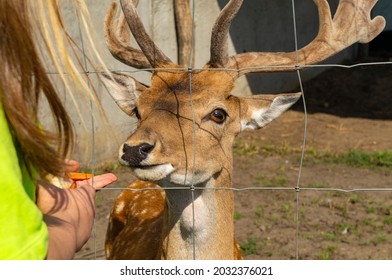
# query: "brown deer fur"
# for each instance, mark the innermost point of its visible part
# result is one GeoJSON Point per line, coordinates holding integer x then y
{"type": "Point", "coordinates": [187, 122]}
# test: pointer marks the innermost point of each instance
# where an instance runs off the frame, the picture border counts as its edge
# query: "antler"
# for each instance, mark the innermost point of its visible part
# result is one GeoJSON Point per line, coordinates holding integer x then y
{"type": "Point", "coordinates": [184, 27]}
{"type": "Point", "coordinates": [351, 24]}
{"type": "Point", "coordinates": [153, 54]}
{"type": "Point", "coordinates": [116, 39]}
{"type": "Point", "coordinates": [220, 34]}
{"type": "Point", "coordinates": [149, 55]}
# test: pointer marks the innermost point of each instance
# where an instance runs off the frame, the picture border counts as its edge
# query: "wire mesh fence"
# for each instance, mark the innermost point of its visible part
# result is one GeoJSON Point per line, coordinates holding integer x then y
{"type": "Point", "coordinates": [295, 195]}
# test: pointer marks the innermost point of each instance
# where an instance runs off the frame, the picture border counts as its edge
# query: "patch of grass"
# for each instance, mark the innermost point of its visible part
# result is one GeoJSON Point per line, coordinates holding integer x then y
{"type": "Point", "coordinates": [364, 159]}
{"type": "Point", "coordinates": [286, 208]}
{"type": "Point", "coordinates": [352, 157]}
{"type": "Point", "coordinates": [388, 221]}
{"type": "Point", "coordinates": [330, 236]}
{"type": "Point", "coordinates": [316, 154]}
{"type": "Point", "coordinates": [326, 254]}
{"type": "Point", "coordinates": [275, 218]}
{"type": "Point", "coordinates": [260, 212]}
{"type": "Point", "coordinates": [237, 215]}
{"type": "Point", "coordinates": [285, 149]}
{"type": "Point", "coordinates": [368, 222]}
{"type": "Point", "coordinates": [279, 180]}
{"type": "Point", "coordinates": [354, 198]}
{"type": "Point", "coordinates": [302, 212]}
{"type": "Point", "coordinates": [250, 247]}
{"type": "Point", "coordinates": [274, 181]}
{"type": "Point", "coordinates": [245, 148]}
{"type": "Point", "coordinates": [259, 179]}
{"type": "Point", "coordinates": [251, 148]}
{"type": "Point", "coordinates": [259, 215]}
{"type": "Point", "coordinates": [379, 239]}
{"type": "Point", "coordinates": [345, 228]}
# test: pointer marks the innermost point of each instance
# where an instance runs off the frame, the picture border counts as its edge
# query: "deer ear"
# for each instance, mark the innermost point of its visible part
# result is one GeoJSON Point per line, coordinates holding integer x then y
{"type": "Point", "coordinates": [124, 89]}
{"type": "Point", "coordinates": [259, 110]}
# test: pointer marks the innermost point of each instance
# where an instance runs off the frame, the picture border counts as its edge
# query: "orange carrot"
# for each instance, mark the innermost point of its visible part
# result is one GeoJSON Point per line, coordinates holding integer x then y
{"type": "Point", "coordinates": [74, 176]}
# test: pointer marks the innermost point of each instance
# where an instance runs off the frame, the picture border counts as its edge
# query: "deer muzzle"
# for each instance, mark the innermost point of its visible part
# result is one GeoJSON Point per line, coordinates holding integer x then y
{"type": "Point", "coordinates": [133, 156]}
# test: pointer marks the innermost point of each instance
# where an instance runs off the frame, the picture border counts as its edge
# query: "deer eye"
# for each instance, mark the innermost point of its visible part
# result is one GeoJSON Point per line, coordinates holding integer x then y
{"type": "Point", "coordinates": [218, 116]}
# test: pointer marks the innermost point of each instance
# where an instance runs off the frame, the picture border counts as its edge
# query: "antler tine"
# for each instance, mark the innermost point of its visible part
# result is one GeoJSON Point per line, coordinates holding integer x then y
{"type": "Point", "coordinates": [123, 29]}
{"type": "Point", "coordinates": [184, 28]}
{"type": "Point", "coordinates": [153, 54]}
{"type": "Point", "coordinates": [116, 42]}
{"type": "Point", "coordinates": [220, 32]}
{"type": "Point", "coordinates": [351, 24]}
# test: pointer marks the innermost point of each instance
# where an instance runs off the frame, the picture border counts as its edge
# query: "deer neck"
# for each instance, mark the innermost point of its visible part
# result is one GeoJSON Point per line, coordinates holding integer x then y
{"type": "Point", "coordinates": [203, 229]}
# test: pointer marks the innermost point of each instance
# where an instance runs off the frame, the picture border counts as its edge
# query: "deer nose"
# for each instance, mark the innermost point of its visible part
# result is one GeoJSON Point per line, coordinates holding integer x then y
{"type": "Point", "coordinates": [134, 155]}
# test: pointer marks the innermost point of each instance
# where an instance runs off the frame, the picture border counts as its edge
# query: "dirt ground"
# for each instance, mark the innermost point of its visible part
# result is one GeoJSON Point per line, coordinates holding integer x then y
{"type": "Point", "coordinates": [348, 109]}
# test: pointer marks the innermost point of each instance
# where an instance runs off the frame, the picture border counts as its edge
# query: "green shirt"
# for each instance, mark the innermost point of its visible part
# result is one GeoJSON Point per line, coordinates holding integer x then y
{"type": "Point", "coordinates": [23, 233]}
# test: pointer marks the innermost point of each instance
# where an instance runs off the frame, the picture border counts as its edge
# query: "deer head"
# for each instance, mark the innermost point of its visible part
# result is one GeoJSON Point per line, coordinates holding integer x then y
{"type": "Point", "coordinates": [163, 145]}
{"type": "Point", "coordinates": [186, 111]}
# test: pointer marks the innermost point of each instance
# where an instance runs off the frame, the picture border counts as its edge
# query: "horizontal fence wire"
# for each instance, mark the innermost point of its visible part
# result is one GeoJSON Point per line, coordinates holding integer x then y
{"type": "Point", "coordinates": [245, 69]}
{"type": "Point", "coordinates": [242, 189]}
{"type": "Point", "coordinates": [297, 188]}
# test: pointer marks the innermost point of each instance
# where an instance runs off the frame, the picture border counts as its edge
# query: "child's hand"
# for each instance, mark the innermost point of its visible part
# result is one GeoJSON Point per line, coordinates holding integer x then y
{"type": "Point", "coordinates": [69, 213]}
{"type": "Point", "coordinates": [98, 181]}
{"type": "Point", "coordinates": [72, 165]}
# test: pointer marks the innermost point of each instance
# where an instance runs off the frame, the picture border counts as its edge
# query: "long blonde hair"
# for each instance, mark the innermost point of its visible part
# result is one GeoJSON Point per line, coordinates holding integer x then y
{"type": "Point", "coordinates": [28, 31]}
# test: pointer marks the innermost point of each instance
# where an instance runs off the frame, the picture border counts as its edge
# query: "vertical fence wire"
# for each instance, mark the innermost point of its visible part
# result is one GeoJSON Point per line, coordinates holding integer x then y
{"type": "Point", "coordinates": [297, 189]}
{"type": "Point", "coordinates": [85, 64]}
{"type": "Point", "coordinates": [192, 188]}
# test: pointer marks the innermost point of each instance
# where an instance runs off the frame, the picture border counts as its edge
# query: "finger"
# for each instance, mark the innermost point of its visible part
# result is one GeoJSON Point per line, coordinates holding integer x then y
{"type": "Point", "coordinates": [72, 165]}
{"type": "Point", "coordinates": [99, 181]}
